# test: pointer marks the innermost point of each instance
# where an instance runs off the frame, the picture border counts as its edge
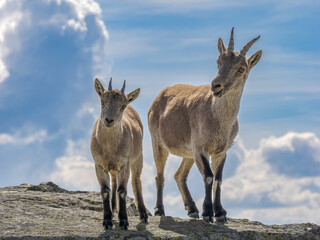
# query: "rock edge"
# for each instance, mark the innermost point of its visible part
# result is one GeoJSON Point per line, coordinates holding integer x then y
{"type": "Point", "coordinates": [46, 211]}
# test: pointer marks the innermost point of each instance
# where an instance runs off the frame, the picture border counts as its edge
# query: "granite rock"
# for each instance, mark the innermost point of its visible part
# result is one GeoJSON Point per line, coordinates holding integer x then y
{"type": "Point", "coordinates": [46, 211]}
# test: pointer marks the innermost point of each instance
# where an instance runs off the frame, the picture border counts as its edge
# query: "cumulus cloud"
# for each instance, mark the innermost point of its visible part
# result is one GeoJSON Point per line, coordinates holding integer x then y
{"type": "Point", "coordinates": [21, 137]}
{"type": "Point", "coordinates": [277, 182]}
{"type": "Point", "coordinates": [50, 50]}
{"type": "Point", "coordinates": [8, 26]}
{"type": "Point", "coordinates": [148, 182]}
{"type": "Point", "coordinates": [75, 169]}
{"type": "Point", "coordinates": [82, 16]}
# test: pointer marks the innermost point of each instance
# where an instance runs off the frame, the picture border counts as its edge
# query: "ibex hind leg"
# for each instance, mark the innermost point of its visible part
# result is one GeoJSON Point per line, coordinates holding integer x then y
{"type": "Point", "coordinates": [181, 176]}
{"type": "Point", "coordinates": [136, 169]}
{"type": "Point", "coordinates": [160, 157]}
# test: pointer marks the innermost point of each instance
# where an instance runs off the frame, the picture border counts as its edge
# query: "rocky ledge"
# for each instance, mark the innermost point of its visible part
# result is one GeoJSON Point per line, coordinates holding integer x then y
{"type": "Point", "coordinates": [47, 211]}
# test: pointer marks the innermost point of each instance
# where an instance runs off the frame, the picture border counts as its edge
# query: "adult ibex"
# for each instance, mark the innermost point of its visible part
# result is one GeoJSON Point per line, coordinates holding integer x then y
{"type": "Point", "coordinates": [196, 122]}
{"type": "Point", "coordinates": [116, 146]}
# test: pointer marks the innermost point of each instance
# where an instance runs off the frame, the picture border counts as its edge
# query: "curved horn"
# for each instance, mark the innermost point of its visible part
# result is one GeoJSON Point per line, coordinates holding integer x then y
{"type": "Point", "coordinates": [110, 85]}
{"type": "Point", "coordinates": [246, 48]}
{"type": "Point", "coordinates": [123, 87]}
{"type": "Point", "coordinates": [231, 42]}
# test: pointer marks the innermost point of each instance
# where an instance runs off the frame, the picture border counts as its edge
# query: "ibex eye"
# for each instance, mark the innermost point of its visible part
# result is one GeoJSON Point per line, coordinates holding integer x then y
{"type": "Point", "coordinates": [102, 104]}
{"type": "Point", "coordinates": [123, 107]}
{"type": "Point", "coordinates": [241, 70]}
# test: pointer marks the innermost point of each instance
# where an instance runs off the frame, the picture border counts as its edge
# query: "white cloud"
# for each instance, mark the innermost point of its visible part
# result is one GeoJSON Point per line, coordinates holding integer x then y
{"type": "Point", "coordinates": [74, 170]}
{"type": "Point", "coordinates": [8, 26]}
{"type": "Point", "coordinates": [49, 51]}
{"type": "Point", "coordinates": [18, 16]}
{"type": "Point", "coordinates": [281, 215]}
{"type": "Point", "coordinates": [23, 137]}
{"type": "Point", "coordinates": [281, 174]}
{"type": "Point", "coordinates": [87, 109]}
{"type": "Point", "coordinates": [148, 182]}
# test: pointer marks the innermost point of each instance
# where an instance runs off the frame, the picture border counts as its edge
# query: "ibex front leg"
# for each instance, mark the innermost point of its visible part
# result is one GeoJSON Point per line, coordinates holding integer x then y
{"type": "Point", "coordinates": [202, 162]}
{"type": "Point", "coordinates": [217, 168]}
{"type": "Point", "coordinates": [104, 181]}
{"type": "Point", "coordinates": [123, 178]}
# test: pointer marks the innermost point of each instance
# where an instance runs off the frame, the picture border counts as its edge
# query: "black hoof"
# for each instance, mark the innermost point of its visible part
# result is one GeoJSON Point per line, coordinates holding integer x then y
{"type": "Point", "coordinates": [124, 224]}
{"type": "Point", "coordinates": [107, 224]}
{"type": "Point", "coordinates": [143, 216]}
{"type": "Point", "coordinates": [208, 219]}
{"type": "Point", "coordinates": [144, 220]}
{"type": "Point", "coordinates": [220, 216]}
{"type": "Point", "coordinates": [159, 211]}
{"type": "Point", "coordinates": [220, 219]}
{"type": "Point", "coordinates": [193, 215]}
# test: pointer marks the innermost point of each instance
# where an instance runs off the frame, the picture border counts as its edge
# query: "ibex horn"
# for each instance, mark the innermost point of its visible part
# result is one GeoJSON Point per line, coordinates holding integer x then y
{"type": "Point", "coordinates": [246, 48]}
{"type": "Point", "coordinates": [123, 87]}
{"type": "Point", "coordinates": [110, 85]}
{"type": "Point", "coordinates": [231, 42]}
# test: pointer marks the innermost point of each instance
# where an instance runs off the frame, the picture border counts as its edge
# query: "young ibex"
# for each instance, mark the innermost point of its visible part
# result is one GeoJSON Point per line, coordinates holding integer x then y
{"type": "Point", "coordinates": [116, 146]}
{"type": "Point", "coordinates": [196, 122]}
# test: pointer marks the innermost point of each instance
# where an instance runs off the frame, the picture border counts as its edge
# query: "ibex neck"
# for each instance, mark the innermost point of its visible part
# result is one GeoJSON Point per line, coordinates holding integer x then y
{"type": "Point", "coordinates": [227, 107]}
{"type": "Point", "coordinates": [110, 132]}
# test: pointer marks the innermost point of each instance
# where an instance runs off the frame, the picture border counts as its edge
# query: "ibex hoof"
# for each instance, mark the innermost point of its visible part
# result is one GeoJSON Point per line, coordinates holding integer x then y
{"type": "Point", "coordinates": [220, 219]}
{"type": "Point", "coordinates": [144, 220]}
{"type": "Point", "coordinates": [159, 211]}
{"type": "Point", "coordinates": [107, 225]}
{"type": "Point", "coordinates": [194, 215]}
{"type": "Point", "coordinates": [124, 224]}
{"type": "Point", "coordinates": [208, 219]}
{"type": "Point", "coordinates": [143, 216]}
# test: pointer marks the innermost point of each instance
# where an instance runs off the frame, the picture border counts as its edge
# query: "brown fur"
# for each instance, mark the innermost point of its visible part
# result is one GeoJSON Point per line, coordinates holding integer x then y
{"type": "Point", "coordinates": [196, 122]}
{"type": "Point", "coordinates": [116, 146]}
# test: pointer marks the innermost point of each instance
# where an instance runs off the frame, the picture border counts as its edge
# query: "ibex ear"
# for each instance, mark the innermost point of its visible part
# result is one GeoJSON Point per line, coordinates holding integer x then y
{"type": "Point", "coordinates": [221, 47]}
{"type": "Point", "coordinates": [98, 86]}
{"type": "Point", "coordinates": [133, 95]}
{"type": "Point", "coordinates": [254, 59]}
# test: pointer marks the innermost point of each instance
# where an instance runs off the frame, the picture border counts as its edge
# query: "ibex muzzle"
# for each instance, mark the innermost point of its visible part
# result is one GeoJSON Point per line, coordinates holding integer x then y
{"type": "Point", "coordinates": [217, 86]}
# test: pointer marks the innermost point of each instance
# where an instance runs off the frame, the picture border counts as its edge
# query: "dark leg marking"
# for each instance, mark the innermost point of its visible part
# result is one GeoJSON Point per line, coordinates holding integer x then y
{"type": "Point", "coordinates": [114, 191]}
{"type": "Point", "coordinates": [123, 218]}
{"type": "Point", "coordinates": [217, 168]}
{"type": "Point", "coordinates": [204, 168]}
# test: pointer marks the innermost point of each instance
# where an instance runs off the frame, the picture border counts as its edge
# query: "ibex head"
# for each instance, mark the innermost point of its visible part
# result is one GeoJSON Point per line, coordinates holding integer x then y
{"type": "Point", "coordinates": [234, 67]}
{"type": "Point", "coordinates": [113, 102]}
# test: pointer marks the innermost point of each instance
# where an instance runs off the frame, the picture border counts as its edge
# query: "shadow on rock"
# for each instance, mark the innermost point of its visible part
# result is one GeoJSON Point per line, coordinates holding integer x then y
{"type": "Point", "coordinates": [141, 231]}
{"type": "Point", "coordinates": [194, 228]}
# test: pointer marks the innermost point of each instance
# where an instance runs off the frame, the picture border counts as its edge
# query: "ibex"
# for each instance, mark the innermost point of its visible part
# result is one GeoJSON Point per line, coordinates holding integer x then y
{"type": "Point", "coordinates": [116, 146]}
{"type": "Point", "coordinates": [198, 122]}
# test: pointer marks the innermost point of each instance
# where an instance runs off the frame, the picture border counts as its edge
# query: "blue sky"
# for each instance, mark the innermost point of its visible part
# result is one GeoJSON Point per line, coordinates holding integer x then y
{"type": "Point", "coordinates": [51, 50]}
